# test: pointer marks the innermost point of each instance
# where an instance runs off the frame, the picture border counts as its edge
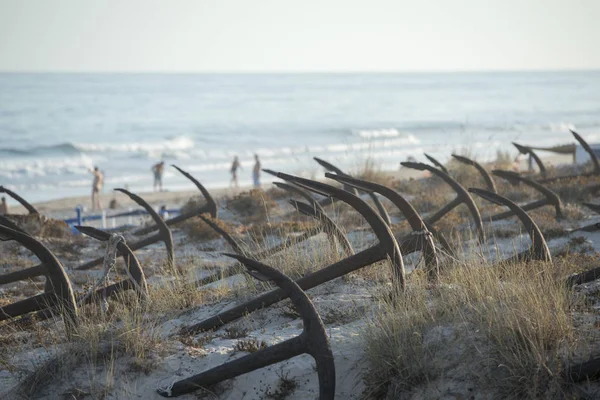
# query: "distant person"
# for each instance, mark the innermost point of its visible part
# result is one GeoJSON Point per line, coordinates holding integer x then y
{"type": "Point", "coordinates": [158, 170]}
{"type": "Point", "coordinates": [113, 205]}
{"type": "Point", "coordinates": [3, 207]}
{"type": "Point", "coordinates": [256, 172]}
{"type": "Point", "coordinates": [96, 188]}
{"type": "Point", "coordinates": [517, 163]}
{"type": "Point", "coordinates": [234, 169]}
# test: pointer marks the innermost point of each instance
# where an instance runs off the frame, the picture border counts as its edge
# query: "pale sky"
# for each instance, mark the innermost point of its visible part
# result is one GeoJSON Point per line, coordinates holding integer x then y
{"type": "Point", "coordinates": [303, 35]}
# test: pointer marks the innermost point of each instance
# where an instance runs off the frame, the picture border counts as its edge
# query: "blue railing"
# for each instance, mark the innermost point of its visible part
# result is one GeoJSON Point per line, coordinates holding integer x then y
{"type": "Point", "coordinates": [81, 219]}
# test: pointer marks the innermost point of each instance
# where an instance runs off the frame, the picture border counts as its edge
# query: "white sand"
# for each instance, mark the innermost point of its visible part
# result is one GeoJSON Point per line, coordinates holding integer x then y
{"type": "Point", "coordinates": [343, 296]}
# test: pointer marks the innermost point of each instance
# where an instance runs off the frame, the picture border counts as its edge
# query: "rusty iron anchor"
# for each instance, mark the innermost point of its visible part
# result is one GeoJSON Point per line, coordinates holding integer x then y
{"type": "Point", "coordinates": [58, 293]}
{"type": "Point", "coordinates": [138, 278]}
{"type": "Point", "coordinates": [489, 182]}
{"type": "Point", "coordinates": [332, 168]}
{"type": "Point", "coordinates": [421, 238]}
{"type": "Point", "coordinates": [528, 150]}
{"type": "Point", "coordinates": [9, 224]}
{"type": "Point", "coordinates": [387, 247]}
{"type": "Point", "coordinates": [550, 197]}
{"type": "Point", "coordinates": [437, 163]}
{"type": "Point", "coordinates": [313, 341]}
{"type": "Point", "coordinates": [298, 191]}
{"type": "Point", "coordinates": [588, 149]}
{"type": "Point", "coordinates": [539, 248]}
{"type": "Point", "coordinates": [164, 234]}
{"type": "Point", "coordinates": [137, 281]}
{"type": "Point", "coordinates": [209, 208]}
{"type": "Point", "coordinates": [327, 225]}
{"type": "Point", "coordinates": [462, 196]}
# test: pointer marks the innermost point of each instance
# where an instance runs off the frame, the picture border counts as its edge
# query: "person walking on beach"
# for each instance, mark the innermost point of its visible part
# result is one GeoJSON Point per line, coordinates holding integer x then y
{"type": "Point", "coordinates": [3, 207]}
{"type": "Point", "coordinates": [234, 168]}
{"type": "Point", "coordinates": [96, 188]}
{"type": "Point", "coordinates": [158, 170]}
{"type": "Point", "coordinates": [256, 172]}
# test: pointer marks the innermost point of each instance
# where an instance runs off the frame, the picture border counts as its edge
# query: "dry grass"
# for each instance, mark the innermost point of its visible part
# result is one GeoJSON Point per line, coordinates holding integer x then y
{"type": "Point", "coordinates": [252, 206]}
{"type": "Point", "coordinates": [505, 329]}
{"type": "Point", "coordinates": [466, 175]}
{"type": "Point", "coordinates": [41, 226]}
{"type": "Point", "coordinates": [106, 345]}
{"type": "Point", "coordinates": [197, 229]}
{"type": "Point", "coordinates": [514, 320]}
{"type": "Point", "coordinates": [301, 259]}
{"type": "Point", "coordinates": [372, 171]}
{"type": "Point", "coordinates": [576, 190]}
{"type": "Point", "coordinates": [260, 232]}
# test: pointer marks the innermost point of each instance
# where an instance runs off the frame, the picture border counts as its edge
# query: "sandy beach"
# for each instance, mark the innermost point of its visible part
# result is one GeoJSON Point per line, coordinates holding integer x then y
{"type": "Point", "coordinates": [151, 352]}
{"type": "Point", "coordinates": [65, 207]}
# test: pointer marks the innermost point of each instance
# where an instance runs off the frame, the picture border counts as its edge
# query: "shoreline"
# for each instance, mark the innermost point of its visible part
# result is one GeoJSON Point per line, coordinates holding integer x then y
{"type": "Point", "coordinates": [64, 207]}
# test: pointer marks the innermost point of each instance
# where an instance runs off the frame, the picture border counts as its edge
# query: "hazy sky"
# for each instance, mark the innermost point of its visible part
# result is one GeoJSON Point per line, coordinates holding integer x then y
{"type": "Point", "coordinates": [303, 35]}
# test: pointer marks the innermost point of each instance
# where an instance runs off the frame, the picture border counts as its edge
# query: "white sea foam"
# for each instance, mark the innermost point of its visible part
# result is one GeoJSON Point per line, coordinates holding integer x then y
{"type": "Point", "coordinates": [176, 144]}
{"type": "Point", "coordinates": [45, 167]}
{"type": "Point", "coordinates": [387, 133]}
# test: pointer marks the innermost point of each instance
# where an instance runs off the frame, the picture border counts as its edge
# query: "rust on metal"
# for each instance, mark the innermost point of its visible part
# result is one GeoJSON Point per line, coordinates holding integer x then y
{"type": "Point", "coordinates": [349, 188]}
{"type": "Point", "coordinates": [59, 292]}
{"type": "Point", "coordinates": [380, 227]}
{"type": "Point", "coordinates": [327, 226]}
{"type": "Point", "coordinates": [224, 234]}
{"type": "Point", "coordinates": [462, 196]}
{"type": "Point", "coordinates": [209, 208]}
{"type": "Point", "coordinates": [589, 150]}
{"type": "Point", "coordinates": [131, 262]}
{"type": "Point", "coordinates": [300, 192]}
{"type": "Point", "coordinates": [31, 209]}
{"type": "Point", "coordinates": [330, 227]}
{"type": "Point", "coordinates": [164, 234]}
{"type": "Point", "coordinates": [550, 197]}
{"type": "Point", "coordinates": [539, 248]}
{"type": "Point", "coordinates": [421, 239]}
{"type": "Point", "coordinates": [313, 341]}
{"type": "Point", "coordinates": [8, 223]}
{"type": "Point", "coordinates": [332, 168]}
{"type": "Point", "coordinates": [327, 201]}
{"type": "Point", "coordinates": [528, 150]}
{"type": "Point", "coordinates": [437, 163]}
{"type": "Point", "coordinates": [482, 171]}
{"type": "Point", "coordinates": [380, 251]}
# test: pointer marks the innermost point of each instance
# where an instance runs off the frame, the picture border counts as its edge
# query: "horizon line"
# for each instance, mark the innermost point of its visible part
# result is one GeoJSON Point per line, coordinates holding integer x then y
{"type": "Point", "coordinates": [297, 72]}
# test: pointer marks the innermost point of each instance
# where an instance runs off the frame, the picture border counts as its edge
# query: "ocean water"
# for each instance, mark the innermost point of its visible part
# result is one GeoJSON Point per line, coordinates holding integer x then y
{"type": "Point", "coordinates": [53, 127]}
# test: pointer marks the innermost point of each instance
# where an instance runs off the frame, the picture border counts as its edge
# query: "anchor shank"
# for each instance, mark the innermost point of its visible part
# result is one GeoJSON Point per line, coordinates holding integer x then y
{"type": "Point", "coordinates": [35, 303]}
{"type": "Point", "coordinates": [109, 291]}
{"type": "Point", "coordinates": [23, 274]}
{"type": "Point", "coordinates": [443, 211]}
{"type": "Point", "coordinates": [260, 359]}
{"type": "Point", "coordinates": [340, 268]}
{"type": "Point", "coordinates": [531, 206]}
